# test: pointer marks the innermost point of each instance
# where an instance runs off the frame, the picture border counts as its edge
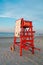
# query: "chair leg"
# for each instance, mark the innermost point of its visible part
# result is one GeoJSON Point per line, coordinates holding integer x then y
{"type": "Point", "coordinates": [32, 50]}
{"type": "Point", "coordinates": [20, 51]}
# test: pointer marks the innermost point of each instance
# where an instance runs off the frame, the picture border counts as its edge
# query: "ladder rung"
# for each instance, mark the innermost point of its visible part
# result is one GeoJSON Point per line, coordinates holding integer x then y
{"type": "Point", "coordinates": [27, 41]}
{"type": "Point", "coordinates": [27, 32]}
{"type": "Point", "coordinates": [27, 36]}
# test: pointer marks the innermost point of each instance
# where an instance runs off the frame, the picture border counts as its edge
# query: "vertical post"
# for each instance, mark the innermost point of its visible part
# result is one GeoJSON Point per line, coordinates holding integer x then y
{"type": "Point", "coordinates": [20, 50]}
{"type": "Point", "coordinates": [14, 42]}
{"type": "Point", "coordinates": [32, 41]}
{"type": "Point", "coordinates": [32, 46]}
{"type": "Point", "coordinates": [20, 44]}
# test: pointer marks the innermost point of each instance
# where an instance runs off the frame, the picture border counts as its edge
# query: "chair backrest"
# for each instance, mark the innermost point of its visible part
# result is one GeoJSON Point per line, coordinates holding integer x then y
{"type": "Point", "coordinates": [21, 23]}
{"type": "Point", "coordinates": [25, 23]}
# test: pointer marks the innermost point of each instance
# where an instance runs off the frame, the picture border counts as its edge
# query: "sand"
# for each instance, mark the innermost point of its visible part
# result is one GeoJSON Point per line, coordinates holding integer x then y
{"type": "Point", "coordinates": [13, 58]}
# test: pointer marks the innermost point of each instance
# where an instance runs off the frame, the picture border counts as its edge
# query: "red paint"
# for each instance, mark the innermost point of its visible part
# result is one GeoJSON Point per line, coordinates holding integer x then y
{"type": "Point", "coordinates": [26, 37]}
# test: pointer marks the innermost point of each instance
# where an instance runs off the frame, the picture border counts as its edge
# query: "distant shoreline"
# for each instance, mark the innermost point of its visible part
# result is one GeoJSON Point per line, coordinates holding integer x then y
{"type": "Point", "coordinates": [13, 37]}
{"type": "Point", "coordinates": [6, 37]}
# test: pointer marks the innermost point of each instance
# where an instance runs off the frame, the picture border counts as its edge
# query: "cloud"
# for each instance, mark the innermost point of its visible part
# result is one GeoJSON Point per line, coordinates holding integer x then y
{"type": "Point", "coordinates": [25, 8]}
{"type": "Point", "coordinates": [7, 14]}
{"type": "Point", "coordinates": [7, 29]}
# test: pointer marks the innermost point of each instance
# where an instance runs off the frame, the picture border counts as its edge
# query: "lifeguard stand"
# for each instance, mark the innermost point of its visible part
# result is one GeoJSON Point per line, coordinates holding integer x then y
{"type": "Point", "coordinates": [24, 31]}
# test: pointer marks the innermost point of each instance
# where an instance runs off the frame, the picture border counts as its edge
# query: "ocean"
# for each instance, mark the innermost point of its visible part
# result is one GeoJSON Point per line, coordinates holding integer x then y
{"type": "Point", "coordinates": [6, 34]}
{"type": "Point", "coordinates": [6, 39]}
{"type": "Point", "coordinates": [11, 34]}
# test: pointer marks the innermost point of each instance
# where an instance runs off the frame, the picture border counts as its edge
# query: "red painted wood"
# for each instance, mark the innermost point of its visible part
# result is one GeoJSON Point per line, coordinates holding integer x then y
{"type": "Point", "coordinates": [24, 35]}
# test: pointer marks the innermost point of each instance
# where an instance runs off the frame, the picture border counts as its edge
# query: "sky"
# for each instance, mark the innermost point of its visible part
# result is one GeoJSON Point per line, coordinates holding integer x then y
{"type": "Point", "coordinates": [11, 10]}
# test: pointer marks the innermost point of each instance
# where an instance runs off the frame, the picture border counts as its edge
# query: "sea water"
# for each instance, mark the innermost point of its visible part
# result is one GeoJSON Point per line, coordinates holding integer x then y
{"type": "Point", "coordinates": [6, 39]}
{"type": "Point", "coordinates": [6, 34]}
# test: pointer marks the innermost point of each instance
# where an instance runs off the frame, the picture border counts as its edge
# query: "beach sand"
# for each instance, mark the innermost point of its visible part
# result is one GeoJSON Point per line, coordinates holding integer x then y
{"type": "Point", "coordinates": [13, 58]}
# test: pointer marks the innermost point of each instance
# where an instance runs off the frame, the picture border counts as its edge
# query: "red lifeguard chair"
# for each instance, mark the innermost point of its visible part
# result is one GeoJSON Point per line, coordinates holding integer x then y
{"type": "Point", "coordinates": [24, 31]}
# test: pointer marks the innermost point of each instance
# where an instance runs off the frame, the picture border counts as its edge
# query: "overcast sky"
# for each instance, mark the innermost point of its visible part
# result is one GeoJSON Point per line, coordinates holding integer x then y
{"type": "Point", "coordinates": [11, 10]}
